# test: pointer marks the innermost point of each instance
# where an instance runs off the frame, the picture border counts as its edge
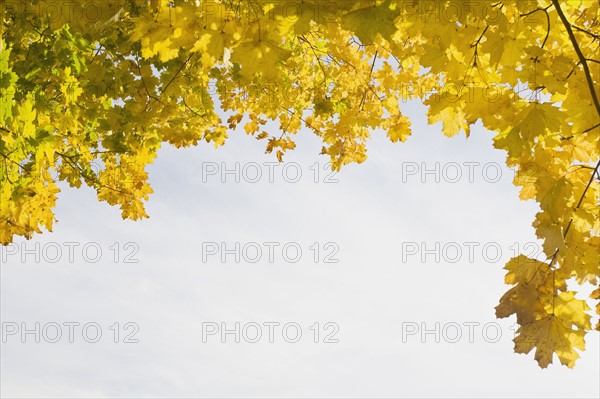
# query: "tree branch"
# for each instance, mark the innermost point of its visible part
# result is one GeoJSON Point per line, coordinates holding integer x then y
{"type": "Point", "coordinates": [582, 58]}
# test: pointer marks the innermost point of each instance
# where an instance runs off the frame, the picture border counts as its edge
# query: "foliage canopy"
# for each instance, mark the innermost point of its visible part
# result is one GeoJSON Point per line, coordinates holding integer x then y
{"type": "Point", "coordinates": [90, 89]}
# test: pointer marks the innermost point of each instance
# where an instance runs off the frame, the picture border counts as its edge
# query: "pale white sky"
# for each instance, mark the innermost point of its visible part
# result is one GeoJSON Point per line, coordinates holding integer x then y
{"type": "Point", "coordinates": [374, 217]}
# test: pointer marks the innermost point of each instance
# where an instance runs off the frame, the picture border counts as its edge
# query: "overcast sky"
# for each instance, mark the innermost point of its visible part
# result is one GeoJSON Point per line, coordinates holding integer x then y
{"type": "Point", "coordinates": [380, 308]}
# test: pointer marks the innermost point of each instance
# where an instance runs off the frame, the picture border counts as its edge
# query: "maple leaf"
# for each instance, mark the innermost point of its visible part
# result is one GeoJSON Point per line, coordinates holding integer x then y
{"type": "Point", "coordinates": [368, 22]}
{"type": "Point", "coordinates": [550, 336]}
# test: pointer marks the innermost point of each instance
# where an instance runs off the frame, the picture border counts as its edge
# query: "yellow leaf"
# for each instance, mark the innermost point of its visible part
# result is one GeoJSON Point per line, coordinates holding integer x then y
{"type": "Point", "coordinates": [550, 336]}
